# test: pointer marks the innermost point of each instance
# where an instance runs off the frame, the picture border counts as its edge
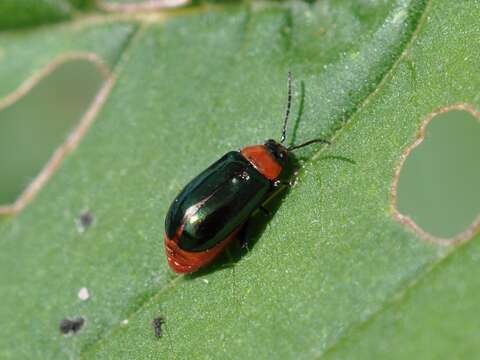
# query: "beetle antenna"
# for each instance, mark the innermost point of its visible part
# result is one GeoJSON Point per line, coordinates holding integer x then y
{"type": "Point", "coordinates": [294, 147]}
{"type": "Point", "coordinates": [287, 112]}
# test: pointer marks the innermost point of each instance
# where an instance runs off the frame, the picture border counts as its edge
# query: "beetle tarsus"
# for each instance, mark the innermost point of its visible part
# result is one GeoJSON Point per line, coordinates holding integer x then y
{"type": "Point", "coordinates": [265, 210]}
{"type": "Point", "coordinates": [280, 183]}
{"type": "Point", "coordinates": [243, 237]}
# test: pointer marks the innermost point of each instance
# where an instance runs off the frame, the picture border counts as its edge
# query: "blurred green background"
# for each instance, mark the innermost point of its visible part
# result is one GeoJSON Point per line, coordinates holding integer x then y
{"type": "Point", "coordinates": [438, 185]}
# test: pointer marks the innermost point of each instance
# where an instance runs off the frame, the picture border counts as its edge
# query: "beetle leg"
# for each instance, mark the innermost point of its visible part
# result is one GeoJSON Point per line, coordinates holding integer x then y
{"type": "Point", "coordinates": [265, 210]}
{"type": "Point", "coordinates": [280, 183]}
{"type": "Point", "coordinates": [243, 236]}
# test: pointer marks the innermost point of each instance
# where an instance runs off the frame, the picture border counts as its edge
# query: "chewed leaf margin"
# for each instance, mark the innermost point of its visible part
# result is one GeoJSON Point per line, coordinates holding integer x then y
{"type": "Point", "coordinates": [72, 141]}
{"type": "Point", "coordinates": [406, 220]}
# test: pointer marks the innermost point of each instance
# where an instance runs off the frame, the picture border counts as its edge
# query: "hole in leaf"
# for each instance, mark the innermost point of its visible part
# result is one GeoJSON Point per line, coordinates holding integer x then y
{"type": "Point", "coordinates": [439, 185]}
{"type": "Point", "coordinates": [33, 127]}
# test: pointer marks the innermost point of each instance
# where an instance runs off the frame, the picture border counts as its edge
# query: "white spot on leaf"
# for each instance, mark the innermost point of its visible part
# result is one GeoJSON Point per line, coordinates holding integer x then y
{"type": "Point", "coordinates": [83, 294]}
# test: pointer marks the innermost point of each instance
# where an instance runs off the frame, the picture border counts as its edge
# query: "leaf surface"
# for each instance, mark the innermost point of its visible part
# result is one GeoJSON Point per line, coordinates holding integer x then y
{"type": "Point", "coordinates": [321, 276]}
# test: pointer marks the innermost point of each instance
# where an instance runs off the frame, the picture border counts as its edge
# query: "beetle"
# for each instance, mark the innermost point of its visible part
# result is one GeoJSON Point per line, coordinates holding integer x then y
{"type": "Point", "coordinates": [209, 212]}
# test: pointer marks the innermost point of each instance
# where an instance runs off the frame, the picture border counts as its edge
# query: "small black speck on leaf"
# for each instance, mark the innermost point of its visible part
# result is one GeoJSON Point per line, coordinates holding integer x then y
{"type": "Point", "coordinates": [71, 326]}
{"type": "Point", "coordinates": [85, 220]}
{"type": "Point", "coordinates": [157, 326]}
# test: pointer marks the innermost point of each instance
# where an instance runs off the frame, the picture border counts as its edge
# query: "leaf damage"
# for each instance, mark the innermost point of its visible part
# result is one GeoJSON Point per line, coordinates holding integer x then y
{"type": "Point", "coordinates": [406, 220]}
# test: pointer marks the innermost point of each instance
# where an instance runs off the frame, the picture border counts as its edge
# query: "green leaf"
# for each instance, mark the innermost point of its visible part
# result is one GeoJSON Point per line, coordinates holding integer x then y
{"type": "Point", "coordinates": [430, 319]}
{"type": "Point", "coordinates": [25, 54]}
{"type": "Point", "coordinates": [330, 270]}
{"type": "Point", "coordinates": [24, 13]}
{"type": "Point", "coordinates": [14, 13]}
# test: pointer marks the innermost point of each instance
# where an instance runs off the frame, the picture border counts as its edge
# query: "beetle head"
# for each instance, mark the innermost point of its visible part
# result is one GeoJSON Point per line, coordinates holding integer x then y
{"type": "Point", "coordinates": [278, 151]}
